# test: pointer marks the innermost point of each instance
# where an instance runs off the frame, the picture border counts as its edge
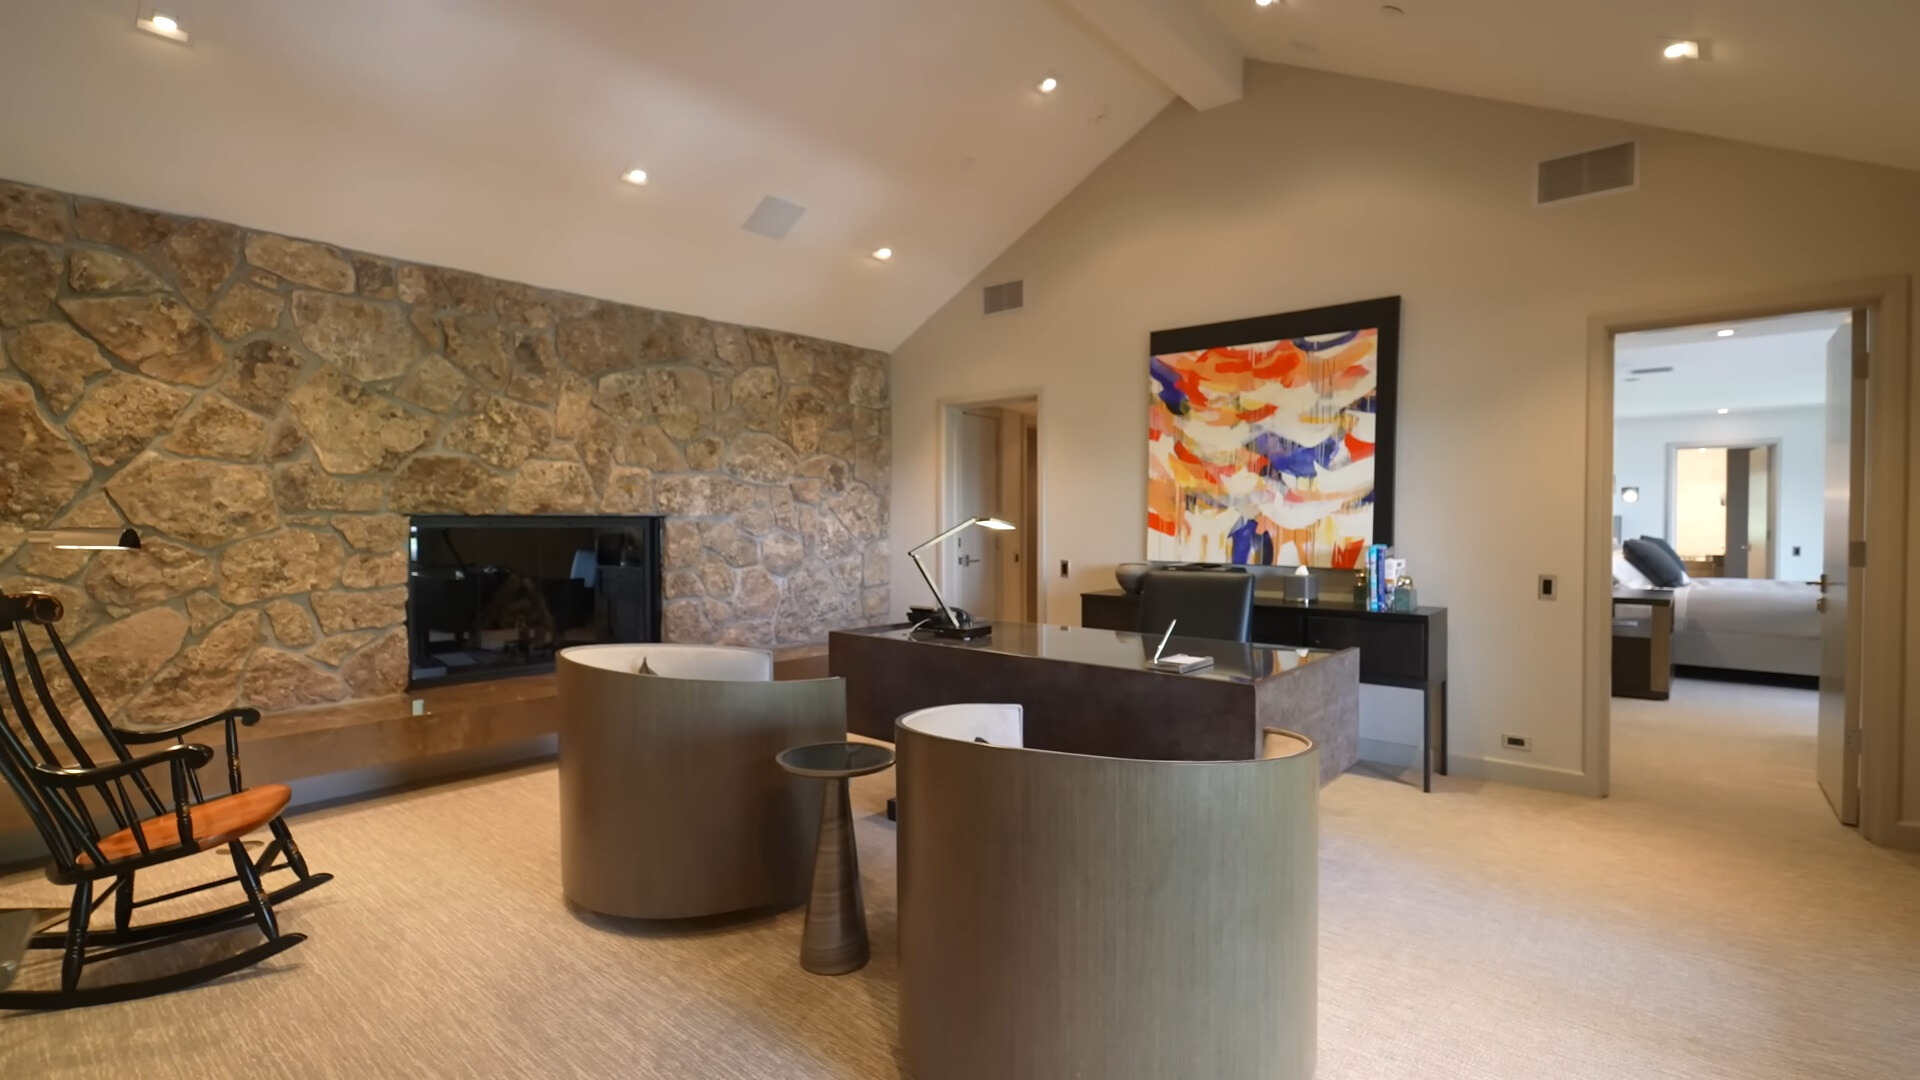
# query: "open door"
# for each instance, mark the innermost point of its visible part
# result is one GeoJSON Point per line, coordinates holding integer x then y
{"type": "Point", "coordinates": [1839, 766]}
{"type": "Point", "coordinates": [973, 578]}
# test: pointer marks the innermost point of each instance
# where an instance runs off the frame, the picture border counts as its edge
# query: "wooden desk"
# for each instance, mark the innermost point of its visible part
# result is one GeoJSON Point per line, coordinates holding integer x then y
{"type": "Point", "coordinates": [1643, 666]}
{"type": "Point", "coordinates": [1402, 649]}
{"type": "Point", "coordinates": [1089, 691]}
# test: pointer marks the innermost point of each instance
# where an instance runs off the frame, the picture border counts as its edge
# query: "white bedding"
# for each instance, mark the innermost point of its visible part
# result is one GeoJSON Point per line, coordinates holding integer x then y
{"type": "Point", "coordinates": [1747, 606]}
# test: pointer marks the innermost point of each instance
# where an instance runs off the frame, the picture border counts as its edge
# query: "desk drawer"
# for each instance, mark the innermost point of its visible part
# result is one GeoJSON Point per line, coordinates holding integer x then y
{"type": "Point", "coordinates": [1388, 650]}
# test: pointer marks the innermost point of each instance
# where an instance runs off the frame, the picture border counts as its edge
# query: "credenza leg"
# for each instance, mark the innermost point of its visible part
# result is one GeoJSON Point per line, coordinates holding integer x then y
{"type": "Point", "coordinates": [1426, 741]}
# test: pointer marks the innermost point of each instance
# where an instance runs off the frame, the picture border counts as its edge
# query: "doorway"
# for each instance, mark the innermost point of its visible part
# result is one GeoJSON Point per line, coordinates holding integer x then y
{"type": "Point", "coordinates": [1757, 427]}
{"type": "Point", "coordinates": [1725, 505]}
{"type": "Point", "coordinates": [991, 468]}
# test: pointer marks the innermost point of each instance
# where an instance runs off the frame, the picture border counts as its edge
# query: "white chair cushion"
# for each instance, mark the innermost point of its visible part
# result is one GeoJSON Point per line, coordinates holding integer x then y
{"type": "Point", "coordinates": [1000, 725]}
{"type": "Point", "coordinates": [715, 663]}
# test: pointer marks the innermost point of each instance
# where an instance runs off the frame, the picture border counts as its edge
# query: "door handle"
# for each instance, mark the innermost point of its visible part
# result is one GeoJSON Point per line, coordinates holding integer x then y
{"type": "Point", "coordinates": [968, 560]}
{"type": "Point", "coordinates": [1823, 583]}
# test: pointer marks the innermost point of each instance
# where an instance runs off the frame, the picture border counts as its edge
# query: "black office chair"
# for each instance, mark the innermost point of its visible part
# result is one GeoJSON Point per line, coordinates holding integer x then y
{"type": "Point", "coordinates": [1215, 604]}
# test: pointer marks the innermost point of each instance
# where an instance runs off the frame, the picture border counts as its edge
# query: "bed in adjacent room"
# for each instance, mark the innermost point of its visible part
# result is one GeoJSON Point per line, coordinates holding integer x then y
{"type": "Point", "coordinates": [1740, 624]}
{"type": "Point", "coordinates": [1747, 624]}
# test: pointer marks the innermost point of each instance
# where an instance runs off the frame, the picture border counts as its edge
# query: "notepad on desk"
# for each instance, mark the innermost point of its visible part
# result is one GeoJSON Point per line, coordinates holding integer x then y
{"type": "Point", "coordinates": [1178, 663]}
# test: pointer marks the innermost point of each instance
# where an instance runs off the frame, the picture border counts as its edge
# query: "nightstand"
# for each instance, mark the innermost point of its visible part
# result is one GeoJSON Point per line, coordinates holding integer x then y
{"type": "Point", "coordinates": [1643, 643]}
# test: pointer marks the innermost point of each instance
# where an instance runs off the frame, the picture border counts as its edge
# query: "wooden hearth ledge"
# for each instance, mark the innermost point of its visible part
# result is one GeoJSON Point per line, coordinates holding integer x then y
{"type": "Point", "coordinates": [385, 731]}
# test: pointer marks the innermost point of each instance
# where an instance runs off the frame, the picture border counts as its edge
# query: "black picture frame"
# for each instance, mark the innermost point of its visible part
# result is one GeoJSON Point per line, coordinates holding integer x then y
{"type": "Point", "coordinates": [1382, 315]}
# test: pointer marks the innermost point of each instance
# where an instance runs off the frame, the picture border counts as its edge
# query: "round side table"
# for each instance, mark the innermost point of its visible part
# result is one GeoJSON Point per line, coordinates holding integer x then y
{"type": "Point", "coordinates": [835, 940]}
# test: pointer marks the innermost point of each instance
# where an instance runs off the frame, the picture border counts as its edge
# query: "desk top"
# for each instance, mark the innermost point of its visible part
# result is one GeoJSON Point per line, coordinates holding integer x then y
{"type": "Point", "coordinates": [1232, 661]}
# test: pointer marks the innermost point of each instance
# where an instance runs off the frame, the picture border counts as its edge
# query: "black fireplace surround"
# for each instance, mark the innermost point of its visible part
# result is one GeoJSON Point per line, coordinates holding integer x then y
{"type": "Point", "coordinates": [490, 597]}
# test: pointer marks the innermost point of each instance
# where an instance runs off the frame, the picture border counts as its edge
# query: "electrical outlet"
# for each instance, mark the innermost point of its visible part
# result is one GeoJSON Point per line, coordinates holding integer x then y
{"type": "Point", "coordinates": [1796, 551]}
{"type": "Point", "coordinates": [1063, 568]}
{"type": "Point", "coordinates": [1517, 742]}
{"type": "Point", "coordinates": [1549, 587]}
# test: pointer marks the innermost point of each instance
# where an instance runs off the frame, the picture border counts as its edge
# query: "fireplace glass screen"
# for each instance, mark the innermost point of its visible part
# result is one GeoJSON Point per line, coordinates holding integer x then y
{"type": "Point", "coordinates": [495, 596]}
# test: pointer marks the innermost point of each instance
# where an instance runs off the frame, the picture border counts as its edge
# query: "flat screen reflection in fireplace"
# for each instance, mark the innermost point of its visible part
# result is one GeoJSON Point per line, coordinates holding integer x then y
{"type": "Point", "coordinates": [489, 597]}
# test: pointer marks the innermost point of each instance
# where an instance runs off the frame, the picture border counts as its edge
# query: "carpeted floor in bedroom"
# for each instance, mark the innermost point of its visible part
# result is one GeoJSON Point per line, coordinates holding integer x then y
{"type": "Point", "coordinates": [1709, 920]}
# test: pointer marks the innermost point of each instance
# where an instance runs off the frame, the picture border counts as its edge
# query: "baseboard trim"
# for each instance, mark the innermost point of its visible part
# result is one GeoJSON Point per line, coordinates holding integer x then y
{"type": "Point", "coordinates": [1544, 777]}
{"type": "Point", "coordinates": [1497, 770]}
{"type": "Point", "coordinates": [1904, 837]}
{"type": "Point", "coordinates": [1382, 752]}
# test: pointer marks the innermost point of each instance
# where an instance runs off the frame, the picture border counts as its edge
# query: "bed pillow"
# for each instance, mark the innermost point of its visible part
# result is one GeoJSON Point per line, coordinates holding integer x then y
{"type": "Point", "coordinates": [1662, 569]}
{"type": "Point", "coordinates": [1661, 543]}
{"type": "Point", "coordinates": [1628, 576]}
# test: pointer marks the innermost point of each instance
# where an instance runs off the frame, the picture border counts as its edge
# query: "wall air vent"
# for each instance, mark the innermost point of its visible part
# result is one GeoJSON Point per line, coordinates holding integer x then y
{"type": "Point", "coordinates": [1596, 172]}
{"type": "Point", "coordinates": [1006, 296]}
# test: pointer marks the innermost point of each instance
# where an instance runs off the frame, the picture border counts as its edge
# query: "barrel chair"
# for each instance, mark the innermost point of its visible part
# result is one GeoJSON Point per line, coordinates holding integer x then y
{"type": "Point", "coordinates": [1068, 915]}
{"type": "Point", "coordinates": [671, 805]}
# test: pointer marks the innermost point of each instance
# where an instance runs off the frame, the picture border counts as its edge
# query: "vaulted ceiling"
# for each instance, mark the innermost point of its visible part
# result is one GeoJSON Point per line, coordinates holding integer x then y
{"type": "Point", "coordinates": [489, 135]}
{"type": "Point", "coordinates": [1833, 77]}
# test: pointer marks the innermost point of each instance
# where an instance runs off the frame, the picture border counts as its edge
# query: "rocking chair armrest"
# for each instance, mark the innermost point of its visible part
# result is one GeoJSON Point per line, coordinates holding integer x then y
{"type": "Point", "coordinates": [248, 717]}
{"type": "Point", "coordinates": [192, 755]}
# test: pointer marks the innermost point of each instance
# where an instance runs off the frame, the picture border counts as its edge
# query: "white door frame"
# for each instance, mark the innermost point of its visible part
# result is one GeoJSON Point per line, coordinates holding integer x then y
{"type": "Point", "coordinates": [945, 434]}
{"type": "Point", "coordinates": [1889, 701]}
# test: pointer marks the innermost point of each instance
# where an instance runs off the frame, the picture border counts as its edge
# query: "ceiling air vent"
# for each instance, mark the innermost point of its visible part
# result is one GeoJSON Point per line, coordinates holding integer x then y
{"type": "Point", "coordinates": [1612, 168]}
{"type": "Point", "coordinates": [774, 218]}
{"type": "Point", "coordinates": [1006, 296]}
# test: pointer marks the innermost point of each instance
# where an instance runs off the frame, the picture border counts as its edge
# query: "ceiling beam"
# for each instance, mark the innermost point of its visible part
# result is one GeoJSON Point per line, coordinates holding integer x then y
{"type": "Point", "coordinates": [1176, 42]}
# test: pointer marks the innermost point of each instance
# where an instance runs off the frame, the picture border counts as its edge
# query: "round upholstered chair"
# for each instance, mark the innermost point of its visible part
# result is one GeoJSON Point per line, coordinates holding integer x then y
{"type": "Point", "coordinates": [671, 805]}
{"type": "Point", "coordinates": [1067, 915]}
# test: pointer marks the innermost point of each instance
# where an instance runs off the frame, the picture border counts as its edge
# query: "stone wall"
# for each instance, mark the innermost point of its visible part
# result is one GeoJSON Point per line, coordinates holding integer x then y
{"type": "Point", "coordinates": [267, 410]}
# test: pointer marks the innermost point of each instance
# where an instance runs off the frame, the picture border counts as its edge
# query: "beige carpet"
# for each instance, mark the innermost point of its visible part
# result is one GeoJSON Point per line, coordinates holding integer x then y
{"type": "Point", "coordinates": [1710, 920]}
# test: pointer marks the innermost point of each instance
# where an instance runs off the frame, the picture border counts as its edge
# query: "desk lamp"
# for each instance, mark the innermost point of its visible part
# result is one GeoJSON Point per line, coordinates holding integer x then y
{"type": "Point", "coordinates": [947, 624]}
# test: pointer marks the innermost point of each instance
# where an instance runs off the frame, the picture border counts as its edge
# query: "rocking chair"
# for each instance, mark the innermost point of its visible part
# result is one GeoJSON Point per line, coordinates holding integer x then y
{"type": "Point", "coordinates": [147, 832]}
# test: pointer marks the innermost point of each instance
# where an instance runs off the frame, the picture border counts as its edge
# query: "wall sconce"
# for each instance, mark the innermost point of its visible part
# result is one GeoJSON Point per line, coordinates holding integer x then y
{"type": "Point", "coordinates": [87, 539]}
{"type": "Point", "coordinates": [1630, 494]}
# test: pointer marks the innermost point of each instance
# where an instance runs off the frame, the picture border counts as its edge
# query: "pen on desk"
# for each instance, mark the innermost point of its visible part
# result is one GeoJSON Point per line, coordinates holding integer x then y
{"type": "Point", "coordinates": [1163, 641]}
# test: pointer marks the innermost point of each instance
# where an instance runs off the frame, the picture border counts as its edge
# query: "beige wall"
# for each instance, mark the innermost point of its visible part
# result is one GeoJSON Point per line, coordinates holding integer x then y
{"type": "Point", "coordinates": [1318, 189]}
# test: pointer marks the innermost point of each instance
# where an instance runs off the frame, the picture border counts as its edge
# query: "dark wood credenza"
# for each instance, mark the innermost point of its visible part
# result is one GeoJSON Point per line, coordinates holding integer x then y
{"type": "Point", "coordinates": [1402, 649]}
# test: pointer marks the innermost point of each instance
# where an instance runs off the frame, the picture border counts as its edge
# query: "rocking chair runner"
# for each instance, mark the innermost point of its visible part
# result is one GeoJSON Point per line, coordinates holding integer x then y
{"type": "Point", "coordinates": [55, 795]}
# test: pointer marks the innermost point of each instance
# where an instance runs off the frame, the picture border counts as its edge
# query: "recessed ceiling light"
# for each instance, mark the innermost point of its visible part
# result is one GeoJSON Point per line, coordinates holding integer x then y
{"type": "Point", "coordinates": [1728, 332]}
{"type": "Point", "coordinates": [1682, 50]}
{"type": "Point", "coordinates": [1262, 3]}
{"type": "Point", "coordinates": [1048, 85]}
{"type": "Point", "coordinates": [883, 254]}
{"type": "Point", "coordinates": [636, 177]}
{"type": "Point", "coordinates": [159, 25]}
{"type": "Point", "coordinates": [1723, 412]}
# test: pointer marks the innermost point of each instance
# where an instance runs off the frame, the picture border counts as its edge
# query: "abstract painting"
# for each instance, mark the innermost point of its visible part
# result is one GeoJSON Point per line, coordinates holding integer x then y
{"type": "Point", "coordinates": [1270, 440]}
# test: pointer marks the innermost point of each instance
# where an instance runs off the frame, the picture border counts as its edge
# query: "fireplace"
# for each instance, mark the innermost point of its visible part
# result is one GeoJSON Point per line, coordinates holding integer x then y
{"type": "Point", "coordinates": [490, 597]}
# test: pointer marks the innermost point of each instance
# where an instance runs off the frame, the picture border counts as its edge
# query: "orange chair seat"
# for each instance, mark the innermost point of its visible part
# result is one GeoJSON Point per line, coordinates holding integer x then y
{"type": "Point", "coordinates": [215, 822]}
